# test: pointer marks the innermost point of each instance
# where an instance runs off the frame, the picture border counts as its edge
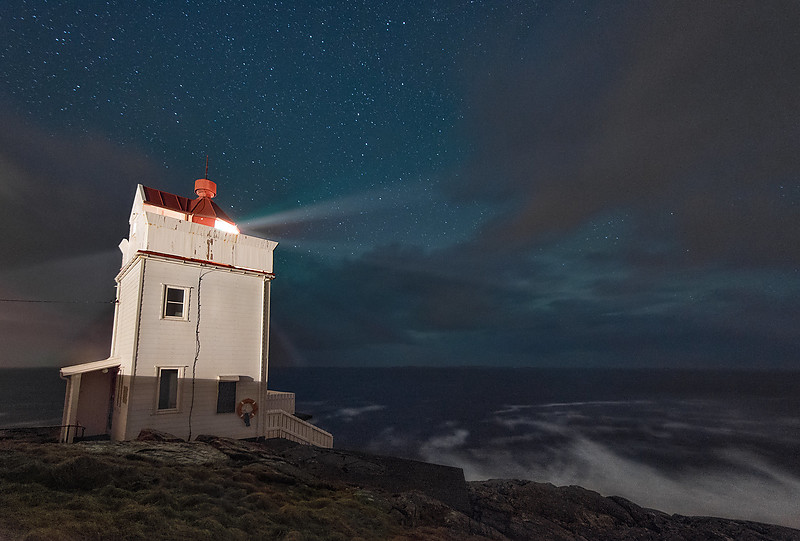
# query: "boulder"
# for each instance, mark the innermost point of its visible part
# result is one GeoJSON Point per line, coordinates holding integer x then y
{"type": "Point", "coordinates": [151, 434]}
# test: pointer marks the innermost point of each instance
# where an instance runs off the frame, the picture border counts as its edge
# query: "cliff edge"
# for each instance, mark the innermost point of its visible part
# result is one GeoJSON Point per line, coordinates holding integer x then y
{"type": "Point", "coordinates": [217, 488]}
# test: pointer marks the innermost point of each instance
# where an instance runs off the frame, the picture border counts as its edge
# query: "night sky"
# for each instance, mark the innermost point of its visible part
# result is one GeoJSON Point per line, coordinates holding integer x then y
{"type": "Point", "coordinates": [451, 183]}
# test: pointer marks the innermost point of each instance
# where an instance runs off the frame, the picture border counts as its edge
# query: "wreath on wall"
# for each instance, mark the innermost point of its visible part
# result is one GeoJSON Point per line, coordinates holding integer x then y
{"type": "Point", "coordinates": [246, 409]}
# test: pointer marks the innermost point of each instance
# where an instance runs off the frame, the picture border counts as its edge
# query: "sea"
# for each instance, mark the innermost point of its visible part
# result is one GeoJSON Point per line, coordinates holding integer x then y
{"type": "Point", "coordinates": [716, 443]}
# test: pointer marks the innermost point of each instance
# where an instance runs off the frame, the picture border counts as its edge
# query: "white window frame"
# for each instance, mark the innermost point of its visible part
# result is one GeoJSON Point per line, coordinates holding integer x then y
{"type": "Point", "coordinates": [180, 371]}
{"type": "Point", "coordinates": [164, 296]}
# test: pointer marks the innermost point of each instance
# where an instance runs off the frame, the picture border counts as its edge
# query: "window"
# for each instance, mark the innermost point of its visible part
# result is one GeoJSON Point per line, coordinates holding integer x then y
{"type": "Point", "coordinates": [175, 303]}
{"type": "Point", "coordinates": [168, 389]}
{"type": "Point", "coordinates": [226, 397]}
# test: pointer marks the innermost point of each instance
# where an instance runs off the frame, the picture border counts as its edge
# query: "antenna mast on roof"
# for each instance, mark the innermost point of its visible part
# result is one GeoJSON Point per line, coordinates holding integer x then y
{"type": "Point", "coordinates": [206, 166]}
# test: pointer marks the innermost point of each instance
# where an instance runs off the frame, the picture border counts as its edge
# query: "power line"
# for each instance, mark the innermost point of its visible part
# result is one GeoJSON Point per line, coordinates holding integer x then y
{"type": "Point", "coordinates": [58, 302]}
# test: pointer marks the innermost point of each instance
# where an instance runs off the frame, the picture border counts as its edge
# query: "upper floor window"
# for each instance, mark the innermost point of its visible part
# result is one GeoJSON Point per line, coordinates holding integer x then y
{"type": "Point", "coordinates": [175, 302]}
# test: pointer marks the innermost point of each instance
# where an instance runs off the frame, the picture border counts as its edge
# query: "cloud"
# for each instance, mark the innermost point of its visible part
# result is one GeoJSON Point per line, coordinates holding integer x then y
{"type": "Point", "coordinates": [683, 115]}
{"type": "Point", "coordinates": [64, 193]}
{"type": "Point", "coordinates": [64, 199]}
{"type": "Point", "coordinates": [401, 304]}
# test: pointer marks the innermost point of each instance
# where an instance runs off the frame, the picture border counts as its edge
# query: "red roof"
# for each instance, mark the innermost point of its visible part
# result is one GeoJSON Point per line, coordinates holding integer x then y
{"type": "Point", "coordinates": [200, 207]}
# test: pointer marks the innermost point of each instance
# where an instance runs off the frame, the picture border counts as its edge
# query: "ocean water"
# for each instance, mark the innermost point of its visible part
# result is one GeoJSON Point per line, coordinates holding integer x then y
{"type": "Point", "coordinates": [31, 397]}
{"type": "Point", "coordinates": [695, 443]}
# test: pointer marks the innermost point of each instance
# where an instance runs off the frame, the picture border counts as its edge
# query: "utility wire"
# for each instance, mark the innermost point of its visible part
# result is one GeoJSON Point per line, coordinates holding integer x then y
{"type": "Point", "coordinates": [58, 302]}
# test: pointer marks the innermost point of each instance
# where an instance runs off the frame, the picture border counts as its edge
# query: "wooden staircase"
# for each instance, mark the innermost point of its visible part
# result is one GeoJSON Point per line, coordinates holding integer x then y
{"type": "Point", "coordinates": [282, 424]}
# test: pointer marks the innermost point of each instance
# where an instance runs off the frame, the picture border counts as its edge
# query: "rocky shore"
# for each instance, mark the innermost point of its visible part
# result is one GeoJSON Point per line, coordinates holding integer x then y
{"type": "Point", "coordinates": [216, 487]}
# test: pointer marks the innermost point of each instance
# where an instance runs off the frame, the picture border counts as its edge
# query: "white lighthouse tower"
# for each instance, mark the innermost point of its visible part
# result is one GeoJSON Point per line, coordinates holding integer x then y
{"type": "Point", "coordinates": [190, 346]}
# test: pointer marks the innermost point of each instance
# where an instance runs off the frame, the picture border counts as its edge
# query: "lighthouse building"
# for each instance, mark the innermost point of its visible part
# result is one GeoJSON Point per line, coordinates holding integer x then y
{"type": "Point", "coordinates": [190, 345]}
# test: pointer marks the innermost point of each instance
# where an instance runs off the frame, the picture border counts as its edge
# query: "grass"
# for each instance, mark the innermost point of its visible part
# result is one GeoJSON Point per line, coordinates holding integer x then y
{"type": "Point", "coordinates": [55, 491]}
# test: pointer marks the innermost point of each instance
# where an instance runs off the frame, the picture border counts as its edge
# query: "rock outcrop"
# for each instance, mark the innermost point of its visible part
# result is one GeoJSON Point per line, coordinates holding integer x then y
{"type": "Point", "coordinates": [523, 510]}
{"type": "Point", "coordinates": [434, 496]}
{"type": "Point", "coordinates": [279, 489]}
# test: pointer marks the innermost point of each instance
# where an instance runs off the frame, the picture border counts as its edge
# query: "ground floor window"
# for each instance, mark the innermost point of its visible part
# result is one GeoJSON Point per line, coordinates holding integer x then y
{"type": "Point", "coordinates": [226, 397]}
{"type": "Point", "coordinates": [168, 388]}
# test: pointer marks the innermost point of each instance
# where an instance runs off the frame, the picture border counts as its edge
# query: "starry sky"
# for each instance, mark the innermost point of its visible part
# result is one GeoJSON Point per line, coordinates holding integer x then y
{"type": "Point", "coordinates": [451, 182]}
